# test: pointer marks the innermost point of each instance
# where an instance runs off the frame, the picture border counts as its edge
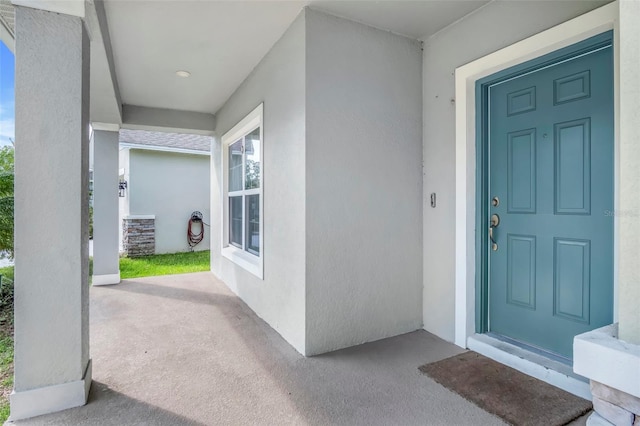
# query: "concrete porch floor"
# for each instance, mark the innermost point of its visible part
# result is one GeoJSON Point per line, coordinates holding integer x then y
{"type": "Point", "coordinates": [183, 349]}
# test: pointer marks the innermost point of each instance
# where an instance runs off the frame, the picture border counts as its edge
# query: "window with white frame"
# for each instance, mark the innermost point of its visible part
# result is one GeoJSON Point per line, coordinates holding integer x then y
{"type": "Point", "coordinates": [242, 188]}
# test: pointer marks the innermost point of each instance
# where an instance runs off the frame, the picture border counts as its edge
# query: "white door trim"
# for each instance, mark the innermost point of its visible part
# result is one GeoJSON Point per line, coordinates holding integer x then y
{"type": "Point", "coordinates": [592, 23]}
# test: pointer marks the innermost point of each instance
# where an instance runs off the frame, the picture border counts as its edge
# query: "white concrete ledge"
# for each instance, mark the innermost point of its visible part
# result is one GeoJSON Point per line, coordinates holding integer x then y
{"type": "Point", "coordinates": [106, 279]}
{"type": "Point", "coordinates": [107, 127]}
{"type": "Point", "coordinates": [602, 357]}
{"type": "Point", "coordinates": [139, 216]}
{"type": "Point", "coordinates": [36, 402]}
{"type": "Point", "coordinates": [531, 364]}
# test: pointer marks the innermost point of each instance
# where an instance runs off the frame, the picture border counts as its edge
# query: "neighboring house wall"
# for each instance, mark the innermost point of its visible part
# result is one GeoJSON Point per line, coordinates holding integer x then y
{"type": "Point", "coordinates": [471, 38]}
{"type": "Point", "coordinates": [170, 186]}
{"type": "Point", "coordinates": [278, 81]}
{"type": "Point", "coordinates": [363, 183]}
{"type": "Point", "coordinates": [342, 185]}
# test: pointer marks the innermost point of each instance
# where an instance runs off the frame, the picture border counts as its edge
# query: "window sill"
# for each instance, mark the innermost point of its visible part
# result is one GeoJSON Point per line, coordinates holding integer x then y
{"type": "Point", "coordinates": [247, 261]}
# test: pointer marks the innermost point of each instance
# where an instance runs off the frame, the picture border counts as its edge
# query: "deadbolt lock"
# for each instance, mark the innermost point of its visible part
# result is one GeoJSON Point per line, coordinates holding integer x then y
{"type": "Point", "coordinates": [495, 201]}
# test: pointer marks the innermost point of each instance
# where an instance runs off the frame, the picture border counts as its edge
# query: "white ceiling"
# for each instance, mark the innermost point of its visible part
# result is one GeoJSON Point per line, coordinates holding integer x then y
{"type": "Point", "coordinates": [220, 42]}
{"type": "Point", "coordinates": [416, 19]}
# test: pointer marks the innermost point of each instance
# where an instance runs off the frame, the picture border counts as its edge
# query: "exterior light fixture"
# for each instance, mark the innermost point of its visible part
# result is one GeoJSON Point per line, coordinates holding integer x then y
{"type": "Point", "coordinates": [183, 74]}
{"type": "Point", "coordinates": [122, 186]}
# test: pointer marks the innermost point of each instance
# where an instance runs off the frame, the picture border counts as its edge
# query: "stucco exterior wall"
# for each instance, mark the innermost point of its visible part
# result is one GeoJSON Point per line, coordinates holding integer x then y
{"type": "Point", "coordinates": [170, 186]}
{"type": "Point", "coordinates": [123, 202]}
{"type": "Point", "coordinates": [363, 184]}
{"type": "Point", "coordinates": [278, 81]}
{"type": "Point", "coordinates": [105, 207]}
{"type": "Point", "coordinates": [629, 214]}
{"type": "Point", "coordinates": [51, 249]}
{"type": "Point", "coordinates": [470, 38]}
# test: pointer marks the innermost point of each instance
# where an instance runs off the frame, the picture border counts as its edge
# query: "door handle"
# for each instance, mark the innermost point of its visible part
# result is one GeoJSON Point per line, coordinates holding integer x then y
{"type": "Point", "coordinates": [495, 221]}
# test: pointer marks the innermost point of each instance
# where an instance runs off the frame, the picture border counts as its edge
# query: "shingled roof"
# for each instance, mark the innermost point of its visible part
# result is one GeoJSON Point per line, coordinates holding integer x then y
{"type": "Point", "coordinates": [8, 16]}
{"type": "Point", "coordinates": [166, 140]}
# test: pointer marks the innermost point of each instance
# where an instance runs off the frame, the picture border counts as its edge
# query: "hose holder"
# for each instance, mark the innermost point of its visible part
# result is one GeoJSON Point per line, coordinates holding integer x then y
{"type": "Point", "coordinates": [195, 238]}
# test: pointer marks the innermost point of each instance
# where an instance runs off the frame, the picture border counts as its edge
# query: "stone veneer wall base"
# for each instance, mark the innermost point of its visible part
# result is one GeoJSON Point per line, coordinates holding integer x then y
{"type": "Point", "coordinates": [613, 367]}
{"type": "Point", "coordinates": [617, 407]}
{"type": "Point", "coordinates": [138, 236]}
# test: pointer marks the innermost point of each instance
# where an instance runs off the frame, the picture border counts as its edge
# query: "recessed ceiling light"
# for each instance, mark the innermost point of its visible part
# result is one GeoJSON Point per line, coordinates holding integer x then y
{"type": "Point", "coordinates": [183, 74]}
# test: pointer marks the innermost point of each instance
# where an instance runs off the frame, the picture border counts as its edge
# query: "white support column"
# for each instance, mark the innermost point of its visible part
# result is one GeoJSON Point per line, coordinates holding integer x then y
{"type": "Point", "coordinates": [106, 261]}
{"type": "Point", "coordinates": [52, 365]}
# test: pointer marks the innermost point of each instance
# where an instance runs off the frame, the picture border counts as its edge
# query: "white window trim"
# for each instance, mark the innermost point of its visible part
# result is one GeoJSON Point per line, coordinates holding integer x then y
{"type": "Point", "coordinates": [252, 263]}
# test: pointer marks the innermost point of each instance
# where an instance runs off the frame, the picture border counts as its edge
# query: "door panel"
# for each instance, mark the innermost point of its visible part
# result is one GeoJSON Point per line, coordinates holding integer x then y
{"type": "Point", "coordinates": [573, 167]}
{"type": "Point", "coordinates": [521, 270]}
{"type": "Point", "coordinates": [571, 279]}
{"type": "Point", "coordinates": [551, 165]}
{"type": "Point", "coordinates": [521, 178]}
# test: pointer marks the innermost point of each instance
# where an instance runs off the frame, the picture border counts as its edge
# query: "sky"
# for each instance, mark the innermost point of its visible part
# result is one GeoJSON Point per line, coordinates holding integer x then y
{"type": "Point", "coordinates": [7, 96]}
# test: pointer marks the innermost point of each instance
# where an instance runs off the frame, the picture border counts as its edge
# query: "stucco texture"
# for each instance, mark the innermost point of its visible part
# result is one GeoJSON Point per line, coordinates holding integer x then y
{"type": "Point", "coordinates": [490, 28]}
{"type": "Point", "coordinates": [278, 81]}
{"type": "Point", "coordinates": [363, 184]}
{"type": "Point", "coordinates": [629, 213]}
{"type": "Point", "coordinates": [170, 186]}
{"type": "Point", "coordinates": [52, 112]}
{"type": "Point", "coordinates": [105, 204]}
{"type": "Point", "coordinates": [342, 185]}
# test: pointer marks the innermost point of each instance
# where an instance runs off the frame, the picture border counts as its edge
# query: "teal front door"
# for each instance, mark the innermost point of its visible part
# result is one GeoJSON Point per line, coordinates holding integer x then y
{"type": "Point", "coordinates": [550, 201]}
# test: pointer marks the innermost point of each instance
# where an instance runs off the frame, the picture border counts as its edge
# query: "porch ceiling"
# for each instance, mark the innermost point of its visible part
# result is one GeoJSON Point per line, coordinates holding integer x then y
{"type": "Point", "coordinates": [220, 42]}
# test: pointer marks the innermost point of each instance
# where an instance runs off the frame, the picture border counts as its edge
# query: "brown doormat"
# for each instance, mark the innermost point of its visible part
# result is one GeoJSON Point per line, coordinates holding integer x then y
{"type": "Point", "coordinates": [515, 397]}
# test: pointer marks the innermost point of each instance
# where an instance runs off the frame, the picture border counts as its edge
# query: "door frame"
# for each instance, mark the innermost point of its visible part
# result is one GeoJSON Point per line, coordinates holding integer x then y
{"type": "Point", "coordinates": [468, 270]}
{"type": "Point", "coordinates": [482, 156]}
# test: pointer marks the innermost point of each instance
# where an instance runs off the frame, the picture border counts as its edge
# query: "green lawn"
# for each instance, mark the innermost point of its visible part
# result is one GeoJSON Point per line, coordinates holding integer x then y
{"type": "Point", "coordinates": [6, 373]}
{"type": "Point", "coordinates": [6, 340]}
{"type": "Point", "coordinates": [164, 264]}
{"type": "Point", "coordinates": [161, 264]}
